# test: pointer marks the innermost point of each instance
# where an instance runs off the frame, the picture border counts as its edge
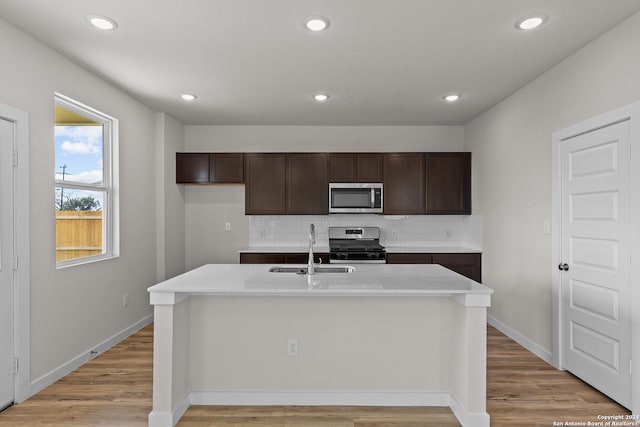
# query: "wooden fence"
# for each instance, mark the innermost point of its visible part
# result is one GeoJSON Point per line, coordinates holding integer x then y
{"type": "Point", "coordinates": [78, 234]}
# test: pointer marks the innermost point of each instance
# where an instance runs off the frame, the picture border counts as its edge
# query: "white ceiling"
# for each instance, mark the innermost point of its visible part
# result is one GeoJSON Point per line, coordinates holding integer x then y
{"type": "Point", "coordinates": [384, 62]}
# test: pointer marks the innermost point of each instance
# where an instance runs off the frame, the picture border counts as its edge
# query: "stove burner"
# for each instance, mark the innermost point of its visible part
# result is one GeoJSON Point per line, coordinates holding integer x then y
{"type": "Point", "coordinates": [356, 246]}
{"type": "Point", "coordinates": [347, 246]}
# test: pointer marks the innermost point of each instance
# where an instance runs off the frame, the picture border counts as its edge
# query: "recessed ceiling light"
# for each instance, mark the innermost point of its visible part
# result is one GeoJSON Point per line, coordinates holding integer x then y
{"type": "Point", "coordinates": [316, 23]}
{"type": "Point", "coordinates": [102, 22]}
{"type": "Point", "coordinates": [531, 22]}
{"type": "Point", "coordinates": [188, 96]}
{"type": "Point", "coordinates": [321, 97]}
{"type": "Point", "coordinates": [452, 98]}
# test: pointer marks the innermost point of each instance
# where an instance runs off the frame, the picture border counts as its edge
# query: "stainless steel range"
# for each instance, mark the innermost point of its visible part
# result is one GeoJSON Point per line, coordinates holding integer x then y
{"type": "Point", "coordinates": [355, 245]}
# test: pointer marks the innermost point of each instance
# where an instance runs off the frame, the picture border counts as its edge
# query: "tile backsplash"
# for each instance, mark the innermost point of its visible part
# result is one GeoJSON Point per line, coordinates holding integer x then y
{"type": "Point", "coordinates": [423, 230]}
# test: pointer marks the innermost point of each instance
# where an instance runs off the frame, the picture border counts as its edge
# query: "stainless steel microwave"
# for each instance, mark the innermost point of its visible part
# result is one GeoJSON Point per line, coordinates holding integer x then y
{"type": "Point", "coordinates": [355, 198]}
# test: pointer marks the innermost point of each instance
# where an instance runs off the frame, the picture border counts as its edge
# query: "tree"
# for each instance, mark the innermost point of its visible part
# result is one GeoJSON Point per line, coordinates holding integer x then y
{"type": "Point", "coordinates": [87, 203]}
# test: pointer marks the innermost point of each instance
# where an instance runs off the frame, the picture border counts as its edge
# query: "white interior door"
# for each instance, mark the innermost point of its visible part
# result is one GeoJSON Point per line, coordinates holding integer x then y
{"type": "Point", "coordinates": [596, 323]}
{"type": "Point", "coordinates": [6, 264]}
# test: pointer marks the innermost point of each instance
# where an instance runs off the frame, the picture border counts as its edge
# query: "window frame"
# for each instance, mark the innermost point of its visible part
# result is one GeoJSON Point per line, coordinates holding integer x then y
{"type": "Point", "coordinates": [109, 186]}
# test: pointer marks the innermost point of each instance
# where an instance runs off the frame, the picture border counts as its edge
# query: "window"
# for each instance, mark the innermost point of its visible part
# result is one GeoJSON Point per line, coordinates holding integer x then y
{"type": "Point", "coordinates": [85, 183]}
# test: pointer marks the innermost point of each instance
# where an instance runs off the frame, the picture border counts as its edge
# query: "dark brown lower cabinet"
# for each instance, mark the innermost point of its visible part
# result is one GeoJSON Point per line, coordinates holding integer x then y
{"type": "Point", "coordinates": [409, 258]}
{"type": "Point", "coordinates": [467, 264]}
{"type": "Point", "coordinates": [281, 258]}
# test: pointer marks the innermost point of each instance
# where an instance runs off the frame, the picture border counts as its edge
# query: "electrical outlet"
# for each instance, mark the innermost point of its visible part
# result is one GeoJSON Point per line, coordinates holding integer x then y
{"type": "Point", "coordinates": [263, 234]}
{"type": "Point", "coordinates": [292, 347]}
{"type": "Point", "coordinates": [227, 226]}
{"type": "Point", "coordinates": [394, 234]}
{"type": "Point", "coordinates": [448, 234]}
{"type": "Point", "coordinates": [125, 300]}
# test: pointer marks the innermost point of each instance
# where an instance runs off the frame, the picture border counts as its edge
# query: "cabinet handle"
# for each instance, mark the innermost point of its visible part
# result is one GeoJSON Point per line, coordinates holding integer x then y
{"type": "Point", "coordinates": [563, 267]}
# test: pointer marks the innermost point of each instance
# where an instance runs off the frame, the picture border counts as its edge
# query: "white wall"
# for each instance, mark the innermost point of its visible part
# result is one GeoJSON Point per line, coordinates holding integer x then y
{"type": "Point", "coordinates": [511, 145]}
{"type": "Point", "coordinates": [76, 308]}
{"type": "Point", "coordinates": [170, 212]}
{"type": "Point", "coordinates": [208, 208]}
{"type": "Point", "coordinates": [323, 138]}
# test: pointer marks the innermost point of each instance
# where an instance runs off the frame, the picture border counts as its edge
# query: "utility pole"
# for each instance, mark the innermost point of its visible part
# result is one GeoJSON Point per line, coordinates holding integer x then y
{"type": "Point", "coordinates": [64, 173]}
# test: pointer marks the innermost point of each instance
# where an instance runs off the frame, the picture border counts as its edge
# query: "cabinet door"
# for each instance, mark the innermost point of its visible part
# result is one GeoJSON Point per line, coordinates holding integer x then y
{"type": "Point", "coordinates": [369, 167]}
{"type": "Point", "coordinates": [226, 168]}
{"type": "Point", "coordinates": [261, 258]}
{"type": "Point", "coordinates": [355, 167]}
{"type": "Point", "coordinates": [192, 168]}
{"type": "Point", "coordinates": [281, 258]}
{"type": "Point", "coordinates": [409, 258]}
{"type": "Point", "coordinates": [469, 265]}
{"type": "Point", "coordinates": [303, 258]}
{"type": "Point", "coordinates": [404, 183]}
{"type": "Point", "coordinates": [448, 183]}
{"type": "Point", "coordinates": [342, 167]}
{"type": "Point", "coordinates": [265, 179]}
{"type": "Point", "coordinates": [307, 184]}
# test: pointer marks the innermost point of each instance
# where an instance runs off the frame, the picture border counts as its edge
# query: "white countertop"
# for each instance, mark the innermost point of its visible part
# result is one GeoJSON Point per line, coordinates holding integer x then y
{"type": "Point", "coordinates": [389, 248]}
{"type": "Point", "coordinates": [431, 249]}
{"type": "Point", "coordinates": [367, 280]}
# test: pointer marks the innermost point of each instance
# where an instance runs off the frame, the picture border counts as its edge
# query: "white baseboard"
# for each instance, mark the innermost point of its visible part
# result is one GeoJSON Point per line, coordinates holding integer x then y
{"type": "Point", "coordinates": [521, 339]}
{"type": "Point", "coordinates": [311, 398]}
{"type": "Point", "coordinates": [315, 398]}
{"type": "Point", "coordinates": [73, 364]}
{"type": "Point", "coordinates": [170, 419]}
{"type": "Point", "coordinates": [466, 419]}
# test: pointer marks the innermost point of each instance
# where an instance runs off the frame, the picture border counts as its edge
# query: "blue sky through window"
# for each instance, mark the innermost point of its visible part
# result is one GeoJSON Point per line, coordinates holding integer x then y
{"type": "Point", "coordinates": [78, 153]}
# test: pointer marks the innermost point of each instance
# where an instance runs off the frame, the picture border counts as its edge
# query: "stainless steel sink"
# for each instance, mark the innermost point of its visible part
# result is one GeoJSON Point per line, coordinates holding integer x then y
{"type": "Point", "coordinates": [303, 270]}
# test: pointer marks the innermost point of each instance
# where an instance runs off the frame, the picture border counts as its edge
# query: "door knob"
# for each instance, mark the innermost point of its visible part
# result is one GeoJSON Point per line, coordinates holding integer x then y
{"type": "Point", "coordinates": [563, 267]}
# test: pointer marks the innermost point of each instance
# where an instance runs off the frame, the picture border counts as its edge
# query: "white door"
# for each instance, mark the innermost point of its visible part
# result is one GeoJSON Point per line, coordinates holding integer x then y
{"type": "Point", "coordinates": [596, 323]}
{"type": "Point", "coordinates": [6, 263]}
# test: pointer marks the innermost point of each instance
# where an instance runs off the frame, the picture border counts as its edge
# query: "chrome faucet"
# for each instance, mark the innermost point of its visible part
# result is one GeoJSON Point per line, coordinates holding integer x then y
{"type": "Point", "coordinates": [312, 240]}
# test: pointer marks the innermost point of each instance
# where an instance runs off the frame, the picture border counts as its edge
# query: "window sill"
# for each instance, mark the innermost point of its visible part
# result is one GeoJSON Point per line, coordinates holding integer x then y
{"type": "Point", "coordinates": [86, 260]}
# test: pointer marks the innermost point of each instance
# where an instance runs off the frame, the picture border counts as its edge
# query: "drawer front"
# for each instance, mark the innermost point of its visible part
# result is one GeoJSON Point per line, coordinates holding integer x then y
{"type": "Point", "coordinates": [409, 258]}
{"type": "Point", "coordinates": [281, 258]}
{"type": "Point", "coordinates": [261, 258]}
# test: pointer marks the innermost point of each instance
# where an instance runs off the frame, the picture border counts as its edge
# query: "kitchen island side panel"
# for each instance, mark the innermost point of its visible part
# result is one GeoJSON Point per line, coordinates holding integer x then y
{"type": "Point", "coordinates": [364, 344]}
{"type": "Point", "coordinates": [468, 366]}
{"type": "Point", "coordinates": [170, 369]}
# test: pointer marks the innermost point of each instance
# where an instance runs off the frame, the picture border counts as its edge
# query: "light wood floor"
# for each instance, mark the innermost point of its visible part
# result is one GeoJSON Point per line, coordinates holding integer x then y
{"type": "Point", "coordinates": [115, 390]}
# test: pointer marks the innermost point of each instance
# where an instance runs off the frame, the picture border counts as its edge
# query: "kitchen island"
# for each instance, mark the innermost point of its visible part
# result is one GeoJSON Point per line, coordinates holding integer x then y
{"type": "Point", "coordinates": [384, 335]}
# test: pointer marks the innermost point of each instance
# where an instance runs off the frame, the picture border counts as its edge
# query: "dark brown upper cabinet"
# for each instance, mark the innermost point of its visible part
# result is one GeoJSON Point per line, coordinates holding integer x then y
{"type": "Point", "coordinates": [226, 168]}
{"type": "Point", "coordinates": [448, 183]}
{"type": "Point", "coordinates": [404, 183]}
{"type": "Point", "coordinates": [192, 168]}
{"type": "Point", "coordinates": [307, 184]}
{"type": "Point", "coordinates": [292, 184]}
{"type": "Point", "coordinates": [209, 168]}
{"type": "Point", "coordinates": [355, 167]}
{"type": "Point", "coordinates": [265, 184]}
{"type": "Point", "coordinates": [369, 167]}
